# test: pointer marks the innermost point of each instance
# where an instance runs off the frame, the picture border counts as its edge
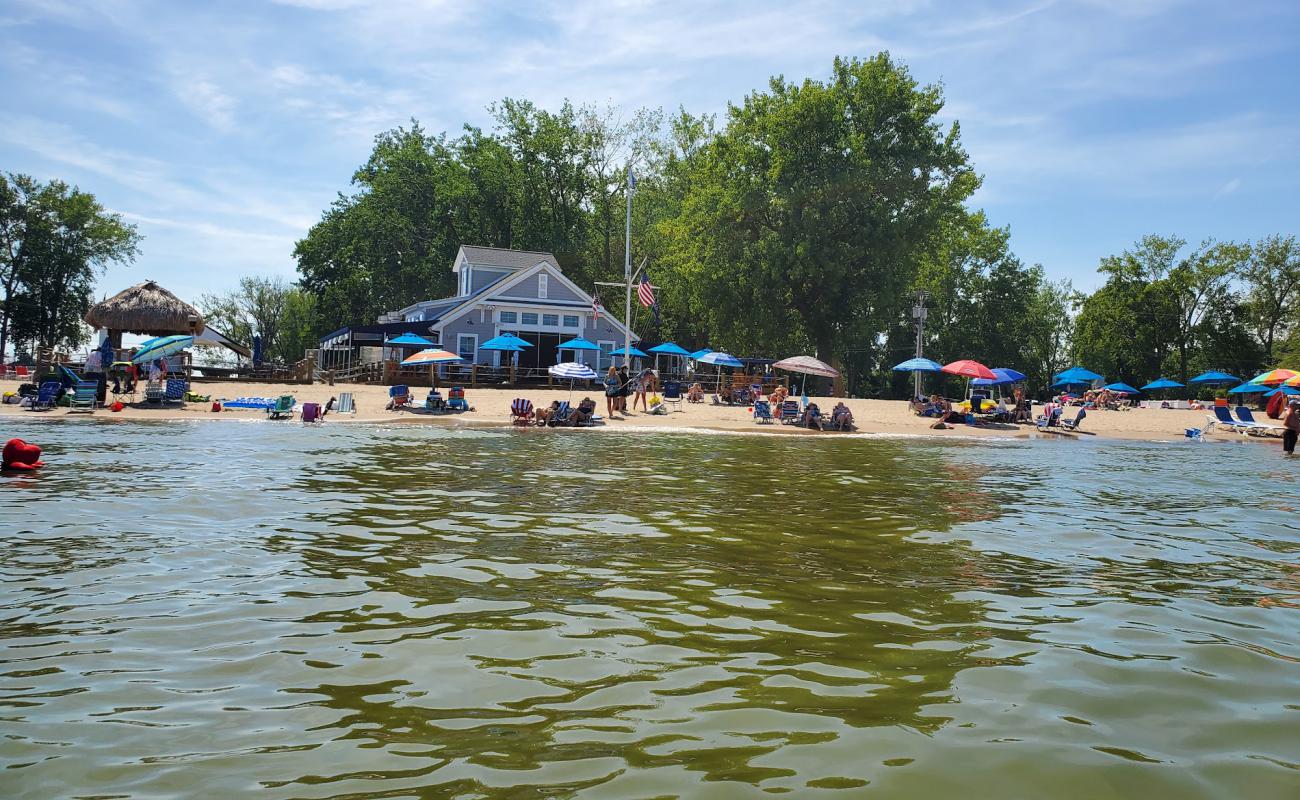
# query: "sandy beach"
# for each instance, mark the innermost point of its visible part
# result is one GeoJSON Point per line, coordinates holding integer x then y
{"type": "Point", "coordinates": [492, 407]}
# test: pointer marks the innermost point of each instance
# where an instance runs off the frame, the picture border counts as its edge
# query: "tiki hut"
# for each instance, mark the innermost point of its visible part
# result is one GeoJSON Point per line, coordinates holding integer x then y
{"type": "Point", "coordinates": [147, 309]}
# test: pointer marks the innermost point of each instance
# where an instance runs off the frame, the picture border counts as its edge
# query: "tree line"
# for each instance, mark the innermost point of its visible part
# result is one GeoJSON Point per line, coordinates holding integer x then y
{"type": "Point", "coordinates": [805, 220]}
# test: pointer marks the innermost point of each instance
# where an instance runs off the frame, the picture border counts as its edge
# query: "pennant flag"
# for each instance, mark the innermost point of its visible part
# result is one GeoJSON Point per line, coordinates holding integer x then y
{"type": "Point", "coordinates": [631, 179]}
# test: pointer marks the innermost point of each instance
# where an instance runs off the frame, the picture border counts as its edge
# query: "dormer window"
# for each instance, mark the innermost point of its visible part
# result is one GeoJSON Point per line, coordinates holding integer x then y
{"type": "Point", "coordinates": [541, 286]}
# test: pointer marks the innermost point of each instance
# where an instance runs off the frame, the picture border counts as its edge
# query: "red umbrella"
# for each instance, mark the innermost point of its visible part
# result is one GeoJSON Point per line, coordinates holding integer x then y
{"type": "Point", "coordinates": [969, 369]}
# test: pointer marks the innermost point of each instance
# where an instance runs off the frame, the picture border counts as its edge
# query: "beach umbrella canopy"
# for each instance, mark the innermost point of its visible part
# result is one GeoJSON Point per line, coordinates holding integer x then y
{"type": "Point", "coordinates": [432, 355]}
{"type": "Point", "coordinates": [506, 342]}
{"type": "Point", "coordinates": [1284, 389]}
{"type": "Point", "coordinates": [635, 352]}
{"type": "Point", "coordinates": [1248, 388]}
{"type": "Point", "coordinates": [1294, 381]}
{"type": "Point", "coordinates": [721, 359]}
{"type": "Point", "coordinates": [578, 344]}
{"type": "Point", "coordinates": [1121, 388]}
{"type": "Point", "coordinates": [969, 369]}
{"type": "Point", "coordinates": [918, 365]}
{"type": "Point", "coordinates": [1162, 383]}
{"type": "Point", "coordinates": [1273, 376]}
{"type": "Point", "coordinates": [572, 371]}
{"type": "Point", "coordinates": [162, 348]}
{"type": "Point", "coordinates": [1077, 376]}
{"type": "Point", "coordinates": [146, 309]}
{"type": "Point", "coordinates": [408, 340]}
{"type": "Point", "coordinates": [1214, 378]}
{"type": "Point", "coordinates": [808, 366]}
{"type": "Point", "coordinates": [1004, 376]}
{"type": "Point", "coordinates": [670, 349]}
{"type": "Point", "coordinates": [701, 353]}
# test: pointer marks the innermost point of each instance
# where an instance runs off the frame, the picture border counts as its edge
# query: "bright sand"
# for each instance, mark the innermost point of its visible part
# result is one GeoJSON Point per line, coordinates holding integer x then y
{"type": "Point", "coordinates": [492, 407]}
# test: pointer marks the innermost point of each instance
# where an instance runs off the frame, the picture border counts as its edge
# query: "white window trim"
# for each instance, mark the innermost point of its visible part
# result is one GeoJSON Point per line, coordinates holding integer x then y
{"type": "Point", "coordinates": [603, 354]}
{"type": "Point", "coordinates": [460, 351]}
{"type": "Point", "coordinates": [542, 285]}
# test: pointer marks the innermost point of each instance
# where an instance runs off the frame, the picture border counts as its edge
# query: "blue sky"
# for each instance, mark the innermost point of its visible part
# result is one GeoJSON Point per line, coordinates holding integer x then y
{"type": "Point", "coordinates": [223, 129]}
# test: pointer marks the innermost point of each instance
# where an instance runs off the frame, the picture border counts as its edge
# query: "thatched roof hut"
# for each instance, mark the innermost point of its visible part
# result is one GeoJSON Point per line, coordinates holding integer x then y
{"type": "Point", "coordinates": [146, 309]}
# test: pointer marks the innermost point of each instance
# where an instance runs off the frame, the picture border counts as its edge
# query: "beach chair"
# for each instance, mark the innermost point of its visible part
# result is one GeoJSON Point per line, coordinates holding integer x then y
{"type": "Point", "coordinates": [46, 396]}
{"type": "Point", "coordinates": [1049, 420]}
{"type": "Point", "coordinates": [521, 411]}
{"type": "Point", "coordinates": [1223, 417]}
{"type": "Point", "coordinates": [175, 391]}
{"type": "Point", "coordinates": [283, 408]}
{"type": "Point", "coordinates": [153, 393]}
{"type": "Point", "coordinates": [1073, 424]}
{"type": "Point", "coordinates": [762, 412]}
{"type": "Point", "coordinates": [346, 404]}
{"type": "Point", "coordinates": [561, 415]}
{"type": "Point", "coordinates": [1247, 417]}
{"type": "Point", "coordinates": [399, 396]}
{"type": "Point", "coordinates": [311, 413]}
{"type": "Point", "coordinates": [790, 412]}
{"type": "Point", "coordinates": [84, 397]}
{"type": "Point", "coordinates": [434, 402]}
{"type": "Point", "coordinates": [673, 394]}
{"type": "Point", "coordinates": [456, 399]}
{"type": "Point", "coordinates": [21, 372]}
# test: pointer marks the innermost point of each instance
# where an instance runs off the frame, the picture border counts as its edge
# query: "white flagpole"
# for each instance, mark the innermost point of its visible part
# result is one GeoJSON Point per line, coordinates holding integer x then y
{"type": "Point", "coordinates": [627, 275]}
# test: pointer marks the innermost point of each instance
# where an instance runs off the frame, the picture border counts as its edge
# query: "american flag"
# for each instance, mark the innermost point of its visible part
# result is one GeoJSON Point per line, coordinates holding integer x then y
{"type": "Point", "coordinates": [646, 294]}
{"type": "Point", "coordinates": [595, 308]}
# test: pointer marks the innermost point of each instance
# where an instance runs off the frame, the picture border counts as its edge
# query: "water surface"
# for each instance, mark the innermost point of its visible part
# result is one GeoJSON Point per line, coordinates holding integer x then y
{"type": "Point", "coordinates": [234, 609]}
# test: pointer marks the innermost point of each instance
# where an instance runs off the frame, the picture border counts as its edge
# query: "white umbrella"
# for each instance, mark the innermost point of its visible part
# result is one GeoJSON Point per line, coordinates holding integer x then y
{"type": "Point", "coordinates": [573, 371]}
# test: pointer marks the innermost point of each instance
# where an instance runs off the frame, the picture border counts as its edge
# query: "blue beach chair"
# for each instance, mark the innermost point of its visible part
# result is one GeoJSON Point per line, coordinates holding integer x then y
{"type": "Point", "coordinates": [1248, 418]}
{"type": "Point", "coordinates": [790, 412]}
{"type": "Point", "coordinates": [399, 396]}
{"type": "Point", "coordinates": [175, 392]}
{"type": "Point", "coordinates": [1223, 417]}
{"type": "Point", "coordinates": [673, 393]}
{"type": "Point", "coordinates": [456, 399]}
{"type": "Point", "coordinates": [1073, 424]}
{"type": "Point", "coordinates": [84, 397]}
{"type": "Point", "coordinates": [561, 415]}
{"type": "Point", "coordinates": [762, 411]}
{"type": "Point", "coordinates": [46, 396]}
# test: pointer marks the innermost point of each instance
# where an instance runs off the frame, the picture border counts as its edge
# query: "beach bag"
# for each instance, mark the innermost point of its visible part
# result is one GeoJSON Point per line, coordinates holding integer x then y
{"type": "Point", "coordinates": [1275, 406]}
{"type": "Point", "coordinates": [216, 406]}
{"type": "Point", "coordinates": [117, 406]}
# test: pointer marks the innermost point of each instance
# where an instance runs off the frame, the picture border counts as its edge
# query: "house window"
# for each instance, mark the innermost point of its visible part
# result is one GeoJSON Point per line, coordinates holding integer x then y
{"type": "Point", "coordinates": [551, 320]}
{"type": "Point", "coordinates": [528, 318]}
{"type": "Point", "coordinates": [570, 320]}
{"type": "Point", "coordinates": [541, 286]}
{"type": "Point", "coordinates": [467, 346]}
{"type": "Point", "coordinates": [604, 359]}
{"type": "Point", "coordinates": [509, 317]}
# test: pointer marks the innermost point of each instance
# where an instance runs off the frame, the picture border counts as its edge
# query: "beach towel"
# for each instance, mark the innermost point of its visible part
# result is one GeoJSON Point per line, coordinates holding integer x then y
{"type": "Point", "coordinates": [260, 403]}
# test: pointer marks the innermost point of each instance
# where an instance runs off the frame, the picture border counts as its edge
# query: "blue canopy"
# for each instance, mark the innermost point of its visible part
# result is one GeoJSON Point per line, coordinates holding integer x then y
{"type": "Point", "coordinates": [670, 349]}
{"type": "Point", "coordinates": [1211, 378]}
{"type": "Point", "coordinates": [506, 341]}
{"type": "Point", "coordinates": [635, 353]}
{"type": "Point", "coordinates": [722, 360]}
{"type": "Point", "coordinates": [1005, 376]}
{"type": "Point", "coordinates": [1077, 375]}
{"type": "Point", "coordinates": [701, 353]}
{"type": "Point", "coordinates": [409, 340]}
{"type": "Point", "coordinates": [918, 365]}
{"type": "Point", "coordinates": [1121, 387]}
{"type": "Point", "coordinates": [162, 347]}
{"type": "Point", "coordinates": [578, 344]}
{"type": "Point", "coordinates": [1069, 384]}
{"type": "Point", "coordinates": [1284, 389]}
{"type": "Point", "coordinates": [1248, 388]}
{"type": "Point", "coordinates": [1162, 383]}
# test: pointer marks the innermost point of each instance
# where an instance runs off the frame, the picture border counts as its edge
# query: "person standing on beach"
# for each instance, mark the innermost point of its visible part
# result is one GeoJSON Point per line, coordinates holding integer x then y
{"type": "Point", "coordinates": [1291, 422]}
{"type": "Point", "coordinates": [640, 385]}
{"type": "Point", "coordinates": [625, 388]}
{"type": "Point", "coordinates": [611, 390]}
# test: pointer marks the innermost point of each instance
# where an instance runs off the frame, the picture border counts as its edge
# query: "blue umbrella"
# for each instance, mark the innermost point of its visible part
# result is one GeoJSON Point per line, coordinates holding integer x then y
{"type": "Point", "coordinates": [1123, 388]}
{"type": "Point", "coordinates": [670, 349]}
{"type": "Point", "coordinates": [1214, 378]}
{"type": "Point", "coordinates": [1005, 376]}
{"type": "Point", "coordinates": [1162, 383]}
{"type": "Point", "coordinates": [1248, 388]}
{"type": "Point", "coordinates": [1288, 390]}
{"type": "Point", "coordinates": [918, 365]}
{"type": "Point", "coordinates": [162, 347]}
{"type": "Point", "coordinates": [1070, 384]}
{"type": "Point", "coordinates": [1077, 376]}
{"type": "Point", "coordinates": [635, 352]}
{"type": "Point", "coordinates": [722, 360]}
{"type": "Point", "coordinates": [507, 342]}
{"type": "Point", "coordinates": [701, 353]}
{"type": "Point", "coordinates": [579, 344]}
{"type": "Point", "coordinates": [409, 340]}
{"type": "Point", "coordinates": [572, 371]}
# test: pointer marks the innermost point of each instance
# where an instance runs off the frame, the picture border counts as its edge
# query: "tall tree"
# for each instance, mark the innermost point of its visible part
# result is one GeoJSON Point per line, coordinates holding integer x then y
{"type": "Point", "coordinates": [1272, 275]}
{"type": "Point", "coordinates": [810, 210]}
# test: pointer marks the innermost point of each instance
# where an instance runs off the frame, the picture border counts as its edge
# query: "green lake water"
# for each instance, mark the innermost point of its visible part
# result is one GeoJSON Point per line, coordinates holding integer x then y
{"type": "Point", "coordinates": [254, 610]}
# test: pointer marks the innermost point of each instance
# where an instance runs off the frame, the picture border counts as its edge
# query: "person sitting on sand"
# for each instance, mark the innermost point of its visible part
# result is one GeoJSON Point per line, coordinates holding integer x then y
{"type": "Point", "coordinates": [695, 394]}
{"type": "Point", "coordinates": [778, 396]}
{"type": "Point", "coordinates": [1195, 405]}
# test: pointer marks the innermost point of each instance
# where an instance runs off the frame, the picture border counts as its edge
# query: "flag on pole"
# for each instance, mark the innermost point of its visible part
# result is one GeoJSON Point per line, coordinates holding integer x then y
{"type": "Point", "coordinates": [595, 308]}
{"type": "Point", "coordinates": [645, 293]}
{"type": "Point", "coordinates": [631, 179]}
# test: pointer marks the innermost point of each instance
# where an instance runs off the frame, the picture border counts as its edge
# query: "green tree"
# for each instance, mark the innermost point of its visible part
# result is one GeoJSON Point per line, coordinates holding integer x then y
{"type": "Point", "coordinates": [283, 315]}
{"type": "Point", "coordinates": [807, 215]}
{"type": "Point", "coordinates": [1272, 275]}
